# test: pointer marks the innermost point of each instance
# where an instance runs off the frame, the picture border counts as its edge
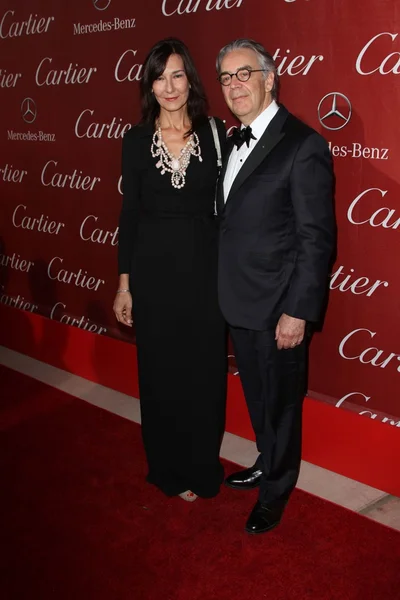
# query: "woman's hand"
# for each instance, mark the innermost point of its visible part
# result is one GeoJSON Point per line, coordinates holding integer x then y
{"type": "Point", "coordinates": [123, 308]}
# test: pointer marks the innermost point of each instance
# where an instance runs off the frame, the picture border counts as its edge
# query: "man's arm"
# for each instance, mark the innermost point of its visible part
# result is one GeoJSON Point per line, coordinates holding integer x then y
{"type": "Point", "coordinates": [311, 188]}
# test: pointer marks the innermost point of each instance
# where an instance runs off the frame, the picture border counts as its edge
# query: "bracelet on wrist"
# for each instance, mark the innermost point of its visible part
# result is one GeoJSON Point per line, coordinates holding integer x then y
{"type": "Point", "coordinates": [122, 291]}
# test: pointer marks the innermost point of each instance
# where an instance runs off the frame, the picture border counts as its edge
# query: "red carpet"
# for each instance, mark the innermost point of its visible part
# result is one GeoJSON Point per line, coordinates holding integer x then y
{"type": "Point", "coordinates": [339, 440]}
{"type": "Point", "coordinates": [78, 522]}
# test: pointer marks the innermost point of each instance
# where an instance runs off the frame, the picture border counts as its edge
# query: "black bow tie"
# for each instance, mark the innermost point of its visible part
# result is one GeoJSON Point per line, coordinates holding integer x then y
{"type": "Point", "coordinates": [240, 136]}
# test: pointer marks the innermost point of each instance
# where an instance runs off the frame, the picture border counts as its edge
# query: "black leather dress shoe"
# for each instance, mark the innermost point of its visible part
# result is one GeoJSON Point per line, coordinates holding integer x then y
{"type": "Point", "coordinates": [248, 479]}
{"type": "Point", "coordinates": [264, 517]}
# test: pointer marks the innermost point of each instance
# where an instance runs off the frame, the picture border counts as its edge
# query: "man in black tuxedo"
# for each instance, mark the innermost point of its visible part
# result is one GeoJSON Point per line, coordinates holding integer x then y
{"type": "Point", "coordinates": [276, 241]}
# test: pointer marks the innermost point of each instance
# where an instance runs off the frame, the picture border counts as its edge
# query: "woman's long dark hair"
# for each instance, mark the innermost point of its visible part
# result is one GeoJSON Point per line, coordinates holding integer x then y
{"type": "Point", "coordinates": [154, 66]}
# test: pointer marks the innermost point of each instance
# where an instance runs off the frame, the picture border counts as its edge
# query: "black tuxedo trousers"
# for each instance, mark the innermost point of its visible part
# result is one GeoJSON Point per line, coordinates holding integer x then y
{"type": "Point", "coordinates": [274, 384]}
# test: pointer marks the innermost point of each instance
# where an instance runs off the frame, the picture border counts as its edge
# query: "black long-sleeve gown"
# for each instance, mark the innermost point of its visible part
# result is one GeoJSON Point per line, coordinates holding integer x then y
{"type": "Point", "coordinates": [168, 245]}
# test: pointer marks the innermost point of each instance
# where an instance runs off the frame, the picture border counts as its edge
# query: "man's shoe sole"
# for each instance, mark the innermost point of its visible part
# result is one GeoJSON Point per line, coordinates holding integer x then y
{"type": "Point", "coordinates": [242, 487]}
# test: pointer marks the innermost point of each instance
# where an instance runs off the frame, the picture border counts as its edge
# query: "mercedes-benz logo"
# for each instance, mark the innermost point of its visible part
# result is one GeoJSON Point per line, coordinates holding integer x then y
{"type": "Point", "coordinates": [28, 110]}
{"type": "Point", "coordinates": [334, 111]}
{"type": "Point", "coordinates": [101, 4]}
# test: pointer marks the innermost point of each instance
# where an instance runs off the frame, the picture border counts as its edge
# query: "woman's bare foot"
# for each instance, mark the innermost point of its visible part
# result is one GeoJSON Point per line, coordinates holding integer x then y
{"type": "Point", "coordinates": [188, 496]}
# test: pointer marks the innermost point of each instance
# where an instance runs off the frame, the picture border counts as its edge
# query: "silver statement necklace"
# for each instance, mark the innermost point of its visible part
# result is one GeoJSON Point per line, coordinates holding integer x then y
{"type": "Point", "coordinates": [169, 163]}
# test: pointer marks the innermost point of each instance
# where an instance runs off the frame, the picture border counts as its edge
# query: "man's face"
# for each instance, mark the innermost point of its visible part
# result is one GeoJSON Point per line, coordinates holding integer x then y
{"type": "Point", "coordinates": [246, 99]}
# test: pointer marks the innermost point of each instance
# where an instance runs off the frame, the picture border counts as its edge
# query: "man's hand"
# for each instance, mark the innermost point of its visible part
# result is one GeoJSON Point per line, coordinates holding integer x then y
{"type": "Point", "coordinates": [289, 332]}
{"type": "Point", "coordinates": [123, 308]}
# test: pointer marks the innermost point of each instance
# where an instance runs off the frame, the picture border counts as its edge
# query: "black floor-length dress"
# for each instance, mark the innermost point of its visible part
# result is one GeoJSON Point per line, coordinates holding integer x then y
{"type": "Point", "coordinates": [168, 245]}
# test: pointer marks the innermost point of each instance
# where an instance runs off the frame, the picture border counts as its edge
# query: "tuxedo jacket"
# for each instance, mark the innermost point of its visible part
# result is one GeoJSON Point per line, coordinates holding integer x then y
{"type": "Point", "coordinates": [277, 228]}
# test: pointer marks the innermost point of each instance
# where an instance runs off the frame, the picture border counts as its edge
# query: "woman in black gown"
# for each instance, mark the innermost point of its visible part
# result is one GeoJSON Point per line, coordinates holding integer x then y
{"type": "Point", "coordinates": [168, 269]}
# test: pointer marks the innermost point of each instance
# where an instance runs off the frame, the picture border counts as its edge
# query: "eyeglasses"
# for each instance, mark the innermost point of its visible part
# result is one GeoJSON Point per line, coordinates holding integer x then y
{"type": "Point", "coordinates": [243, 74]}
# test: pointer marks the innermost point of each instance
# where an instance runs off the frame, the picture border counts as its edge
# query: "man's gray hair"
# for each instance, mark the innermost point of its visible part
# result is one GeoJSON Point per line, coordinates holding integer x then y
{"type": "Point", "coordinates": [265, 59]}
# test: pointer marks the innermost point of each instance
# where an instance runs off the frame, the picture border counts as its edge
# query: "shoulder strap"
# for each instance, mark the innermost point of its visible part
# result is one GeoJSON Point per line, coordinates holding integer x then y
{"type": "Point", "coordinates": [216, 140]}
{"type": "Point", "coordinates": [219, 156]}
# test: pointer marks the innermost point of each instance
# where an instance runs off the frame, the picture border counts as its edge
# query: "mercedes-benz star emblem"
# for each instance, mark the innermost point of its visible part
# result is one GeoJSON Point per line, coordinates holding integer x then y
{"type": "Point", "coordinates": [101, 4]}
{"type": "Point", "coordinates": [334, 111]}
{"type": "Point", "coordinates": [28, 110]}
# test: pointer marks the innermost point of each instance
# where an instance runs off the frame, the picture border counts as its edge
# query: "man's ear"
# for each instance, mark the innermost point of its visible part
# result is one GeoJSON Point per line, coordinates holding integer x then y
{"type": "Point", "coordinates": [269, 82]}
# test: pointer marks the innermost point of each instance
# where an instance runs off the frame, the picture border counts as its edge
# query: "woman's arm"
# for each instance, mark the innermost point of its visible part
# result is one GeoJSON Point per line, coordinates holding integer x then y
{"type": "Point", "coordinates": [128, 219]}
{"type": "Point", "coordinates": [128, 222]}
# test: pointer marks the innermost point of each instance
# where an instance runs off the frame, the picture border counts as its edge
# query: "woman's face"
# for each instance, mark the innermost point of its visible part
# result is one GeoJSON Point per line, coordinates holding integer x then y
{"type": "Point", "coordinates": [171, 89]}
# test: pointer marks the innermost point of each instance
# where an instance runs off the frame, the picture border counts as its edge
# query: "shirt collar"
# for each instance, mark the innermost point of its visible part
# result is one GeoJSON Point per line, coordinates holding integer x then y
{"type": "Point", "coordinates": [260, 124]}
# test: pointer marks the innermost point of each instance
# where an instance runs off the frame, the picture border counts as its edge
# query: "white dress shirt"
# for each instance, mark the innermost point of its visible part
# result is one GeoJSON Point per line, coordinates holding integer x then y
{"type": "Point", "coordinates": [239, 155]}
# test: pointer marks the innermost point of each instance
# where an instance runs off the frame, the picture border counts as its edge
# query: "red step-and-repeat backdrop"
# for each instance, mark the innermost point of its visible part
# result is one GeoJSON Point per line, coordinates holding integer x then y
{"type": "Point", "coordinates": [69, 79]}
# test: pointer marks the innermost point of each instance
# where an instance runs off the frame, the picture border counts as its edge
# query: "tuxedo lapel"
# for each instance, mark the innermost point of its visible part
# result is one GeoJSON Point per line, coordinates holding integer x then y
{"type": "Point", "coordinates": [267, 142]}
